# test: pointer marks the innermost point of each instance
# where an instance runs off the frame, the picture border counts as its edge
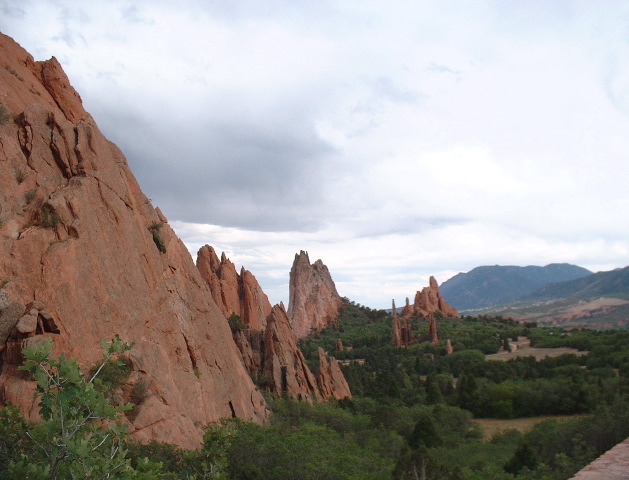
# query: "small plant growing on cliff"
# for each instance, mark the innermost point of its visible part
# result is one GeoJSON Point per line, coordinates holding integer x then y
{"type": "Point", "coordinates": [47, 217]}
{"type": "Point", "coordinates": [30, 195]}
{"type": "Point", "coordinates": [20, 175]}
{"type": "Point", "coordinates": [81, 434]}
{"type": "Point", "coordinates": [235, 323]}
{"type": "Point", "coordinates": [5, 116]}
{"type": "Point", "coordinates": [155, 229]}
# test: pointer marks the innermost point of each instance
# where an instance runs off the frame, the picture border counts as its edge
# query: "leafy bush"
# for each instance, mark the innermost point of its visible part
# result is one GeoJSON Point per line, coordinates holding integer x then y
{"type": "Point", "coordinates": [81, 434]}
{"type": "Point", "coordinates": [155, 228]}
{"type": "Point", "coordinates": [20, 175]}
{"type": "Point", "coordinates": [235, 323]}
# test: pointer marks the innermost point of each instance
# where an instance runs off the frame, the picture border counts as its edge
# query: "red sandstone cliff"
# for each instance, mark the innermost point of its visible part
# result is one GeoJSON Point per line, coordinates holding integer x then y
{"type": "Point", "coordinates": [265, 339]}
{"type": "Point", "coordinates": [233, 293]}
{"type": "Point", "coordinates": [313, 300]}
{"type": "Point", "coordinates": [85, 256]}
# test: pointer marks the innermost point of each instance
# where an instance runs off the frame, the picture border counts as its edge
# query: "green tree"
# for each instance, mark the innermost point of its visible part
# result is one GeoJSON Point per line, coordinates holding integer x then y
{"type": "Point", "coordinates": [81, 434]}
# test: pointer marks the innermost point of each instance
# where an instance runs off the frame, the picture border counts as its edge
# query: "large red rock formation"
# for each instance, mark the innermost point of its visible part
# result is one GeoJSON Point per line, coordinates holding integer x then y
{"type": "Point", "coordinates": [78, 236]}
{"type": "Point", "coordinates": [265, 338]}
{"type": "Point", "coordinates": [313, 300]}
{"type": "Point", "coordinates": [429, 300]}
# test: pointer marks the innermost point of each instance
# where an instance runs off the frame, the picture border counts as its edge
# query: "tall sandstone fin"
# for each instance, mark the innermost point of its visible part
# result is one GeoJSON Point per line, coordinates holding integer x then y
{"type": "Point", "coordinates": [313, 300]}
{"type": "Point", "coordinates": [265, 338]}
{"type": "Point", "coordinates": [79, 236]}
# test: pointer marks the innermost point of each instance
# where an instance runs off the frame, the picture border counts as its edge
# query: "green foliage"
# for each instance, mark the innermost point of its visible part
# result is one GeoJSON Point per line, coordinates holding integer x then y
{"type": "Point", "coordinates": [30, 195]}
{"type": "Point", "coordinates": [80, 435]}
{"type": "Point", "coordinates": [112, 374]}
{"type": "Point", "coordinates": [49, 217]}
{"type": "Point", "coordinates": [312, 452]}
{"type": "Point", "coordinates": [235, 323]}
{"type": "Point", "coordinates": [20, 175]}
{"type": "Point", "coordinates": [155, 229]}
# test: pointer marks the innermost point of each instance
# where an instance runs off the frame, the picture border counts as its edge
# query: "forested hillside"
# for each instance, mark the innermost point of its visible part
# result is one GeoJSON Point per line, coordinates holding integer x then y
{"type": "Point", "coordinates": [613, 283]}
{"type": "Point", "coordinates": [497, 284]}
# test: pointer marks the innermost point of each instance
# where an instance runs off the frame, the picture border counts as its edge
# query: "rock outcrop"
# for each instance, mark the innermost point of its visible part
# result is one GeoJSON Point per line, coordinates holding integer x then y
{"type": "Point", "coordinates": [264, 337]}
{"type": "Point", "coordinates": [284, 364]}
{"type": "Point", "coordinates": [313, 300]}
{"type": "Point", "coordinates": [402, 331]}
{"type": "Point", "coordinates": [428, 301]}
{"type": "Point", "coordinates": [330, 378]}
{"type": "Point", "coordinates": [79, 236]}
{"type": "Point", "coordinates": [233, 293]}
{"type": "Point", "coordinates": [432, 329]}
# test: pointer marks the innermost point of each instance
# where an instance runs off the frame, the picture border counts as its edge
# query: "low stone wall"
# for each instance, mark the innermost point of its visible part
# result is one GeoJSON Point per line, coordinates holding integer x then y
{"type": "Point", "coordinates": [612, 465]}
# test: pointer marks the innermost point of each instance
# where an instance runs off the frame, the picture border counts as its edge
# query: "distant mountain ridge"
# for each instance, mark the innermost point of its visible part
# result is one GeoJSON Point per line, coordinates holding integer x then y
{"type": "Point", "coordinates": [492, 285]}
{"type": "Point", "coordinates": [615, 282]}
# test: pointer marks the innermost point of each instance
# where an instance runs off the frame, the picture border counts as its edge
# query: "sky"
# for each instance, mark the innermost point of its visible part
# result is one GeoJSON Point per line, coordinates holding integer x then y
{"type": "Point", "coordinates": [392, 140]}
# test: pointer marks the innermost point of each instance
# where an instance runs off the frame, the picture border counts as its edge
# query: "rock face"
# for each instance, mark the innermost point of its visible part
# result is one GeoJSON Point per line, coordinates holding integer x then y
{"type": "Point", "coordinates": [79, 236]}
{"type": "Point", "coordinates": [264, 337]}
{"type": "Point", "coordinates": [313, 300]}
{"type": "Point", "coordinates": [284, 364]}
{"type": "Point", "coordinates": [429, 300]}
{"type": "Point", "coordinates": [233, 293]}
{"type": "Point", "coordinates": [330, 378]}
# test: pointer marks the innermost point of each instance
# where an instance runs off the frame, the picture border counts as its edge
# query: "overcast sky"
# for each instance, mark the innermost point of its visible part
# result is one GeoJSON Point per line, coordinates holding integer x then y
{"type": "Point", "coordinates": [393, 140]}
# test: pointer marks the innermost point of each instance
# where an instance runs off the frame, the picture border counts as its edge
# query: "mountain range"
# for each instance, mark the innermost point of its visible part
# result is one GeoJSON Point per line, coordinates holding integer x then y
{"type": "Point", "coordinates": [494, 285]}
{"type": "Point", "coordinates": [594, 300]}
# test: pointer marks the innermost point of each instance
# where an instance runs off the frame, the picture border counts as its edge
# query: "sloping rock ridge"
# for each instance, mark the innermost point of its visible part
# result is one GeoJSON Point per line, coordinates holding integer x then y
{"type": "Point", "coordinates": [85, 256]}
{"type": "Point", "coordinates": [313, 300]}
{"type": "Point", "coordinates": [264, 337]}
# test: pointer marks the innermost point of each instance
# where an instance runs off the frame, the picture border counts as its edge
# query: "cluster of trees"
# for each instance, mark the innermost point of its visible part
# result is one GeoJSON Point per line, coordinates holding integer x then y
{"type": "Point", "coordinates": [412, 415]}
{"type": "Point", "coordinates": [423, 373]}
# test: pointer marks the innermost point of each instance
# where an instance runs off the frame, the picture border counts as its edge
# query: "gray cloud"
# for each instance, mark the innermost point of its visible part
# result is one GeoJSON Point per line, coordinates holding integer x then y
{"type": "Point", "coordinates": [232, 174]}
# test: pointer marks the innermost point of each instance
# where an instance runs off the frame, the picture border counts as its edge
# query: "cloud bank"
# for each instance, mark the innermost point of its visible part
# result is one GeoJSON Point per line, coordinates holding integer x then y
{"type": "Point", "coordinates": [394, 142]}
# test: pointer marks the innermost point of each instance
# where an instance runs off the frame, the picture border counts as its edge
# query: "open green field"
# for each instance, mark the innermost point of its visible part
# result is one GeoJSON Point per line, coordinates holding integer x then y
{"type": "Point", "coordinates": [492, 426]}
{"type": "Point", "coordinates": [538, 353]}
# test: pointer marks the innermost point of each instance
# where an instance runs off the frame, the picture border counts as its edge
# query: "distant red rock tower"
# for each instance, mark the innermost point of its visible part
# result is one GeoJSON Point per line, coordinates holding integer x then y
{"type": "Point", "coordinates": [402, 332]}
{"type": "Point", "coordinates": [429, 300]}
{"type": "Point", "coordinates": [428, 303]}
{"type": "Point", "coordinates": [432, 329]}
